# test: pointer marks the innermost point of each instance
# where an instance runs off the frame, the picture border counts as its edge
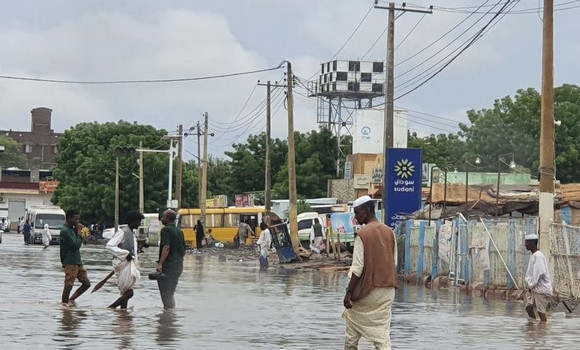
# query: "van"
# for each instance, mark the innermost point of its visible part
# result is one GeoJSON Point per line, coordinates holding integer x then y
{"type": "Point", "coordinates": [305, 222]}
{"type": "Point", "coordinates": [40, 215]}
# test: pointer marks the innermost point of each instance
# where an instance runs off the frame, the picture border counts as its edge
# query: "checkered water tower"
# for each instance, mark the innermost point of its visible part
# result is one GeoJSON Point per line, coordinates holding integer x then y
{"type": "Point", "coordinates": [341, 88]}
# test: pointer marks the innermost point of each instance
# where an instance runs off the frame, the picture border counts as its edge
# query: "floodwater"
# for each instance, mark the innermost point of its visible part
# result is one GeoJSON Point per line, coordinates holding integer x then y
{"type": "Point", "coordinates": [224, 303]}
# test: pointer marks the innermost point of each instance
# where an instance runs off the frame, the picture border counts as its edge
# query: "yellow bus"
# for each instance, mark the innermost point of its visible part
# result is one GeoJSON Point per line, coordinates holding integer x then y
{"type": "Point", "coordinates": [223, 222]}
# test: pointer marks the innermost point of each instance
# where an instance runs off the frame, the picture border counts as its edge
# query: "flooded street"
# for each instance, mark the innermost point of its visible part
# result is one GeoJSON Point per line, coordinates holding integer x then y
{"type": "Point", "coordinates": [223, 303]}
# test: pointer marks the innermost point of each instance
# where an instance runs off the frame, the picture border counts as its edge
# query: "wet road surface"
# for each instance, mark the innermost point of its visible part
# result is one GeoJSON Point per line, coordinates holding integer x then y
{"type": "Point", "coordinates": [224, 303]}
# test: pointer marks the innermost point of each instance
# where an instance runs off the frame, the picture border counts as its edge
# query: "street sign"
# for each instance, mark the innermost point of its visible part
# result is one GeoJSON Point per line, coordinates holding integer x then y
{"type": "Point", "coordinates": [403, 183]}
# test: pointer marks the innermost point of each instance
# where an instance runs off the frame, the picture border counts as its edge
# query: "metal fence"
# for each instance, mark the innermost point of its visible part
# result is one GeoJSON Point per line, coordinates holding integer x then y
{"type": "Point", "coordinates": [565, 250]}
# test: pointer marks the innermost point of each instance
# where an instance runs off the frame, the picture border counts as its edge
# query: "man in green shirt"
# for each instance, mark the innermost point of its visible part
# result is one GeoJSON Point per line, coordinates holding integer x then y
{"type": "Point", "coordinates": [171, 252]}
{"type": "Point", "coordinates": [70, 257]}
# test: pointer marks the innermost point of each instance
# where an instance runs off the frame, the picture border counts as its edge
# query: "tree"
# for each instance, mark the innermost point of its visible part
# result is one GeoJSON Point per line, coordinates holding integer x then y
{"type": "Point", "coordinates": [85, 169]}
{"type": "Point", "coordinates": [12, 155]}
{"type": "Point", "coordinates": [513, 126]}
{"type": "Point", "coordinates": [445, 150]}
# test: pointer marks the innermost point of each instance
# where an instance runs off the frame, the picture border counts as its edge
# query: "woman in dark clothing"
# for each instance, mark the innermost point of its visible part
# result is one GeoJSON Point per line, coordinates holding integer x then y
{"type": "Point", "coordinates": [199, 233]}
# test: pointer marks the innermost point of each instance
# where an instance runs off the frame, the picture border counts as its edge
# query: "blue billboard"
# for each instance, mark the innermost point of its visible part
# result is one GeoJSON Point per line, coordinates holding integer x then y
{"type": "Point", "coordinates": [402, 183]}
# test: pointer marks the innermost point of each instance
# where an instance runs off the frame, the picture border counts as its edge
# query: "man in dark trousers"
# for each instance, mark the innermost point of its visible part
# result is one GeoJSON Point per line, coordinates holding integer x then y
{"type": "Point", "coordinates": [171, 252]}
{"type": "Point", "coordinates": [70, 257]}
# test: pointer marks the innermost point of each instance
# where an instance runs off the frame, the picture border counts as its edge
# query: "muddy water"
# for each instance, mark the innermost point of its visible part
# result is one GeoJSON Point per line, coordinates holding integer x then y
{"type": "Point", "coordinates": [224, 303]}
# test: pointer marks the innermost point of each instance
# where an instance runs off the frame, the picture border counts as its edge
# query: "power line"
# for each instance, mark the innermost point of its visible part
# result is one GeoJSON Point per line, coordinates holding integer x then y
{"type": "Point", "coordinates": [241, 110]}
{"type": "Point", "coordinates": [350, 37]}
{"type": "Point", "coordinates": [374, 44]}
{"type": "Point", "coordinates": [110, 82]}
{"type": "Point", "coordinates": [557, 7]}
{"type": "Point", "coordinates": [478, 36]}
{"type": "Point", "coordinates": [441, 50]}
{"type": "Point", "coordinates": [411, 32]}
{"type": "Point", "coordinates": [426, 114]}
{"type": "Point", "coordinates": [439, 39]}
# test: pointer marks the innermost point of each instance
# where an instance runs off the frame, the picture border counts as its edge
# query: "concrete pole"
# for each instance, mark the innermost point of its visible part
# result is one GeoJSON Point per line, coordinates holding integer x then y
{"type": "Point", "coordinates": [268, 171]}
{"type": "Point", "coordinates": [204, 171]}
{"type": "Point", "coordinates": [293, 210]}
{"type": "Point", "coordinates": [141, 180]}
{"type": "Point", "coordinates": [547, 168]}
{"type": "Point", "coordinates": [179, 178]}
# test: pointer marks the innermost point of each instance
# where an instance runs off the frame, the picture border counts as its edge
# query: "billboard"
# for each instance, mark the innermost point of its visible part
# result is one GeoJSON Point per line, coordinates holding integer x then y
{"type": "Point", "coordinates": [244, 200]}
{"type": "Point", "coordinates": [403, 182]}
{"type": "Point", "coordinates": [368, 131]}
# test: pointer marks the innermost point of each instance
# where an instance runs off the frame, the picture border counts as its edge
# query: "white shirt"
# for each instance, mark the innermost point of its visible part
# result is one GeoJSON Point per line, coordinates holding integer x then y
{"type": "Point", "coordinates": [358, 256]}
{"type": "Point", "coordinates": [265, 239]}
{"type": "Point", "coordinates": [538, 275]}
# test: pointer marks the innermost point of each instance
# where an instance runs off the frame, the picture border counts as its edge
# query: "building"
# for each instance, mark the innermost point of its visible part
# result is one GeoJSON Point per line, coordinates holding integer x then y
{"type": "Point", "coordinates": [40, 143]}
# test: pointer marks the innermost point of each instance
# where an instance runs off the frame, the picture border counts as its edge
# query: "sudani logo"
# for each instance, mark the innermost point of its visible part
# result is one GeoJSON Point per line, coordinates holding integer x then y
{"type": "Point", "coordinates": [404, 168]}
{"type": "Point", "coordinates": [365, 131]}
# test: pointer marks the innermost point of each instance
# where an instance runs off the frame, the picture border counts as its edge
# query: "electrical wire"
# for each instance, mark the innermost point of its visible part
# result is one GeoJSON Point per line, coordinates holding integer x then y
{"type": "Point", "coordinates": [425, 114]}
{"type": "Point", "coordinates": [241, 110]}
{"type": "Point", "coordinates": [110, 82]}
{"type": "Point", "coordinates": [411, 32]}
{"type": "Point", "coordinates": [532, 10]}
{"type": "Point", "coordinates": [440, 38]}
{"type": "Point", "coordinates": [478, 36]}
{"type": "Point", "coordinates": [374, 44]}
{"type": "Point", "coordinates": [348, 39]}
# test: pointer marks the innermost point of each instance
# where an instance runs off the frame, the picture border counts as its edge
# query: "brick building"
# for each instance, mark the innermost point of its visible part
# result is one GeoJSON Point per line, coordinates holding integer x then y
{"type": "Point", "coordinates": [40, 143]}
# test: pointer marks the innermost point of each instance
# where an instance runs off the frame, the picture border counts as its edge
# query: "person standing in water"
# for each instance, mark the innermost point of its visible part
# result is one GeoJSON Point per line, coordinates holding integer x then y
{"type": "Point", "coordinates": [46, 236]}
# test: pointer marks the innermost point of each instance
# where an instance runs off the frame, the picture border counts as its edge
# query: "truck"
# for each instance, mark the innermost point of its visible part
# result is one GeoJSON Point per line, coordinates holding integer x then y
{"type": "Point", "coordinates": [38, 216]}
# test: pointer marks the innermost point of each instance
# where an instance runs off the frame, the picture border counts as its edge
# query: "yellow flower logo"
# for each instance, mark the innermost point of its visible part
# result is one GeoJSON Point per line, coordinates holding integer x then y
{"type": "Point", "coordinates": [404, 168]}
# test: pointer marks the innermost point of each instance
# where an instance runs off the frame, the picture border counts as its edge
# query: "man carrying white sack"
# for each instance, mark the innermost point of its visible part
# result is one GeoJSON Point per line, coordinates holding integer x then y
{"type": "Point", "coordinates": [123, 246]}
{"type": "Point", "coordinates": [537, 280]}
{"type": "Point", "coordinates": [373, 280]}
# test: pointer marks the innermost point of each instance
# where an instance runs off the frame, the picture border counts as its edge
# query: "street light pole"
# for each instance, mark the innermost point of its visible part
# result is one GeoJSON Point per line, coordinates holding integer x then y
{"type": "Point", "coordinates": [117, 193]}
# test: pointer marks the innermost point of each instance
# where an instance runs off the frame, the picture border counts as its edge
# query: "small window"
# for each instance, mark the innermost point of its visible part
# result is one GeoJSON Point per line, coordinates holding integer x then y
{"type": "Point", "coordinates": [185, 221]}
{"type": "Point", "coordinates": [304, 224]}
{"type": "Point", "coordinates": [366, 77]}
{"type": "Point", "coordinates": [377, 87]}
{"type": "Point", "coordinates": [354, 66]}
{"type": "Point", "coordinates": [334, 65]}
{"type": "Point", "coordinates": [341, 76]}
{"type": "Point", "coordinates": [215, 220]}
{"type": "Point", "coordinates": [353, 86]}
{"type": "Point", "coordinates": [378, 67]}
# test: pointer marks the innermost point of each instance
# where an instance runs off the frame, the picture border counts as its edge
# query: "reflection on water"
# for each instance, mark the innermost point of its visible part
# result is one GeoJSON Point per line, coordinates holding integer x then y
{"type": "Point", "coordinates": [223, 303]}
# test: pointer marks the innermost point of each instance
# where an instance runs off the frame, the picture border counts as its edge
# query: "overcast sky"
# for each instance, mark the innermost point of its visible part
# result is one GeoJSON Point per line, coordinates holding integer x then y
{"type": "Point", "coordinates": [151, 39]}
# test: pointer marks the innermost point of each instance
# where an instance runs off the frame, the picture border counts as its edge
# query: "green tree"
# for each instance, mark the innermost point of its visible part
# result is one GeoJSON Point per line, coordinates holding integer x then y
{"type": "Point", "coordinates": [85, 168]}
{"type": "Point", "coordinates": [512, 125]}
{"type": "Point", "coordinates": [445, 150]}
{"type": "Point", "coordinates": [12, 155]}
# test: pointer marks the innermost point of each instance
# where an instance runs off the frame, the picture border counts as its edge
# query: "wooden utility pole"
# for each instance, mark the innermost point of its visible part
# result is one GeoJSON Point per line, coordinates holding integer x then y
{"type": "Point", "coordinates": [389, 110]}
{"type": "Point", "coordinates": [141, 180]}
{"type": "Point", "coordinates": [204, 171]}
{"type": "Point", "coordinates": [116, 194]}
{"type": "Point", "coordinates": [293, 210]}
{"type": "Point", "coordinates": [199, 164]}
{"type": "Point", "coordinates": [547, 168]}
{"type": "Point", "coordinates": [268, 171]}
{"type": "Point", "coordinates": [179, 177]}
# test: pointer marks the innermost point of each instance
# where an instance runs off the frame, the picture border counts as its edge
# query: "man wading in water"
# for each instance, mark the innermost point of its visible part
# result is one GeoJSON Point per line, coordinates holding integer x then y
{"type": "Point", "coordinates": [537, 280]}
{"type": "Point", "coordinates": [70, 257]}
{"type": "Point", "coordinates": [123, 246]}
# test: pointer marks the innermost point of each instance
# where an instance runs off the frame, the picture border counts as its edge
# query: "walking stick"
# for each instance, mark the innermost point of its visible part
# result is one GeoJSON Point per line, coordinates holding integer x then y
{"type": "Point", "coordinates": [102, 283]}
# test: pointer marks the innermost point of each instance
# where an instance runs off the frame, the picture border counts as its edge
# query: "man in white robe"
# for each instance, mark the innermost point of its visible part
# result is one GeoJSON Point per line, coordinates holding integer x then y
{"type": "Point", "coordinates": [264, 243]}
{"type": "Point", "coordinates": [46, 236]}
{"type": "Point", "coordinates": [369, 316]}
{"type": "Point", "coordinates": [123, 246]}
{"type": "Point", "coordinates": [537, 280]}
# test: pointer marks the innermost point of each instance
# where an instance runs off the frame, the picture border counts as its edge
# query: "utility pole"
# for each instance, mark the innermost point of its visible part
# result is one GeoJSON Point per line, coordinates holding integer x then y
{"type": "Point", "coordinates": [389, 110]}
{"type": "Point", "coordinates": [179, 177]}
{"type": "Point", "coordinates": [547, 168]}
{"type": "Point", "coordinates": [141, 180]}
{"type": "Point", "coordinates": [268, 171]}
{"type": "Point", "coordinates": [117, 194]}
{"type": "Point", "coordinates": [204, 172]}
{"type": "Point", "coordinates": [293, 210]}
{"type": "Point", "coordinates": [198, 164]}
